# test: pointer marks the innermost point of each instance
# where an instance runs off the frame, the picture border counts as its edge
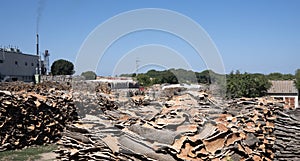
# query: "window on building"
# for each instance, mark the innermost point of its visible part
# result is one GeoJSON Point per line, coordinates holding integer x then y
{"type": "Point", "coordinates": [16, 62]}
{"type": "Point", "coordinates": [25, 63]}
{"type": "Point", "coordinates": [32, 64]}
{"type": "Point", "coordinates": [1, 61]}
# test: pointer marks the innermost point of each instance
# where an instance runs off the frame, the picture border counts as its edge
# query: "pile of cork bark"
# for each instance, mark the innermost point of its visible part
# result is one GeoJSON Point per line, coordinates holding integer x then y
{"type": "Point", "coordinates": [92, 98]}
{"type": "Point", "coordinates": [92, 122]}
{"type": "Point", "coordinates": [186, 126]}
{"type": "Point", "coordinates": [37, 88]}
{"type": "Point", "coordinates": [33, 114]}
{"type": "Point", "coordinates": [287, 133]}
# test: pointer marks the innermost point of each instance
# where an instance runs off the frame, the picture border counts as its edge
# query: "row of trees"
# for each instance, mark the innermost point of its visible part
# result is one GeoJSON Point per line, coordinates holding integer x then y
{"type": "Point", "coordinates": [172, 76]}
{"type": "Point", "coordinates": [237, 84]}
{"type": "Point", "coordinates": [157, 77]}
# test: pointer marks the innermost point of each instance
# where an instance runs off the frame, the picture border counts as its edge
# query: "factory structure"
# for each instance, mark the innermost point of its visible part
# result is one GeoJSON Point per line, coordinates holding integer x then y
{"type": "Point", "coordinates": [18, 66]}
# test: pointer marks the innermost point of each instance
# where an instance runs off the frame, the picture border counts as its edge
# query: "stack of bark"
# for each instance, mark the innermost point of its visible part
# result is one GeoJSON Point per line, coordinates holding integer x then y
{"type": "Point", "coordinates": [93, 103]}
{"type": "Point", "coordinates": [38, 88]}
{"type": "Point", "coordinates": [187, 127]}
{"type": "Point", "coordinates": [287, 133]}
{"type": "Point", "coordinates": [103, 87]}
{"type": "Point", "coordinates": [33, 115]}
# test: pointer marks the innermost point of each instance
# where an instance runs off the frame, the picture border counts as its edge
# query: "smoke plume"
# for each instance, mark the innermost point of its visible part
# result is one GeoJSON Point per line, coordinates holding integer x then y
{"type": "Point", "coordinates": [39, 11]}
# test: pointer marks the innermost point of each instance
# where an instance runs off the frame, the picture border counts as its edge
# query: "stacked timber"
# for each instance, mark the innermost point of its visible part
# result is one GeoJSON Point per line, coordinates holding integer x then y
{"type": "Point", "coordinates": [187, 127]}
{"type": "Point", "coordinates": [33, 115]}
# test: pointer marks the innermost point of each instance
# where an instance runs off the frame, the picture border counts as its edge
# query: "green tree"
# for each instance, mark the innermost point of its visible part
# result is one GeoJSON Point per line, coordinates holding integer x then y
{"type": "Point", "coordinates": [89, 75]}
{"type": "Point", "coordinates": [62, 67]}
{"type": "Point", "coordinates": [144, 79]}
{"type": "Point", "coordinates": [184, 76]}
{"type": "Point", "coordinates": [168, 77]}
{"type": "Point", "coordinates": [297, 77]}
{"type": "Point", "coordinates": [128, 75]}
{"type": "Point", "coordinates": [203, 77]}
{"type": "Point", "coordinates": [247, 85]}
{"type": "Point", "coordinates": [280, 76]}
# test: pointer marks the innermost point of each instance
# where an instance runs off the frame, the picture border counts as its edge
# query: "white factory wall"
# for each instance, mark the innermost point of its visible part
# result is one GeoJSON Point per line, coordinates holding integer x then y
{"type": "Point", "coordinates": [18, 65]}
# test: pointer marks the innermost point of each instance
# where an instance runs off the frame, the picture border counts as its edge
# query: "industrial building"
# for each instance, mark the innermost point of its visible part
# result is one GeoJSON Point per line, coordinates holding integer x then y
{"type": "Point", "coordinates": [17, 66]}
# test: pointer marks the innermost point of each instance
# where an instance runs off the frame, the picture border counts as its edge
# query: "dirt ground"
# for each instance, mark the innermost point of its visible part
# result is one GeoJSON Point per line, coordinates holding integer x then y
{"type": "Point", "coordinates": [47, 156]}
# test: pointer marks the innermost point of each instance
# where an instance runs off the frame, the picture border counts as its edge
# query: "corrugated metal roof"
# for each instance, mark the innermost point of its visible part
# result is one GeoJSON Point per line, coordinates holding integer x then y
{"type": "Point", "coordinates": [283, 86]}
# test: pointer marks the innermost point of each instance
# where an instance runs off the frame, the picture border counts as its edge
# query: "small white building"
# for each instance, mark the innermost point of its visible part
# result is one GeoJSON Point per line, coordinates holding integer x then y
{"type": "Point", "coordinates": [118, 82]}
{"type": "Point", "coordinates": [15, 65]}
{"type": "Point", "coordinates": [285, 90]}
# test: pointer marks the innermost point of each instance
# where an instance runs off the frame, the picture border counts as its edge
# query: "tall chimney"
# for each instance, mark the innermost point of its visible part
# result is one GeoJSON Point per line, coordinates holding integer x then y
{"type": "Point", "coordinates": [37, 44]}
{"type": "Point", "coordinates": [37, 53]}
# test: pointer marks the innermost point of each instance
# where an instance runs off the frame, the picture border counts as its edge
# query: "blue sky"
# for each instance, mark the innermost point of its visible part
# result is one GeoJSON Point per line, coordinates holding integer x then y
{"type": "Point", "coordinates": [251, 36]}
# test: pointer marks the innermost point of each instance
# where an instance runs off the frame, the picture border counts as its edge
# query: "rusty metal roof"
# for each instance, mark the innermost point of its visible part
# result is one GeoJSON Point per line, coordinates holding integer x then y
{"type": "Point", "coordinates": [283, 86]}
